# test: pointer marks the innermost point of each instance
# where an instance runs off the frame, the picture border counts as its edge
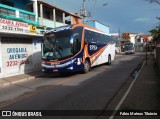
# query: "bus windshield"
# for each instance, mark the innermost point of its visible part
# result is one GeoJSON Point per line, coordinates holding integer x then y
{"type": "Point", "coordinates": [57, 45]}
{"type": "Point", "coordinates": [129, 46]}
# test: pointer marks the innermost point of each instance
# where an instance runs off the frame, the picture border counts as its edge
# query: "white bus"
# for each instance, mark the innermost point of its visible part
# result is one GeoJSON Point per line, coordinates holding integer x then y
{"type": "Point", "coordinates": [76, 48]}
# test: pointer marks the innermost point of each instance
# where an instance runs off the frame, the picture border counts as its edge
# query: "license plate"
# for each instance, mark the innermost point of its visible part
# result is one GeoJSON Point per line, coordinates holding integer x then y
{"type": "Point", "coordinates": [55, 70]}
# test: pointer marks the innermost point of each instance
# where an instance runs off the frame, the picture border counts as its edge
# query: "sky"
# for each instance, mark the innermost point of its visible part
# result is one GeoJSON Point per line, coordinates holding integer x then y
{"type": "Point", "coordinates": [135, 16]}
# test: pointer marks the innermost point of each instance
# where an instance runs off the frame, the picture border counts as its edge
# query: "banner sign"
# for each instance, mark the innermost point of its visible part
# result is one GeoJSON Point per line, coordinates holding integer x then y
{"type": "Point", "coordinates": [40, 113]}
{"type": "Point", "coordinates": [33, 29]}
{"type": "Point", "coordinates": [14, 26]}
{"type": "Point", "coordinates": [17, 56]}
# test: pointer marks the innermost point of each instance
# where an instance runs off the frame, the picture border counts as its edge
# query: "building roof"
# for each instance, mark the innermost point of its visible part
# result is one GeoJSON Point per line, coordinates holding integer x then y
{"type": "Point", "coordinates": [145, 35]}
{"type": "Point", "coordinates": [125, 35]}
{"type": "Point", "coordinates": [54, 7]}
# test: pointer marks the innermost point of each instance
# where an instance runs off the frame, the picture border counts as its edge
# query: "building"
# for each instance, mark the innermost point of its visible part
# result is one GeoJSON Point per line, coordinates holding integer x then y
{"type": "Point", "coordinates": [22, 23]}
{"type": "Point", "coordinates": [50, 16]}
{"type": "Point", "coordinates": [129, 37]}
{"type": "Point", "coordinates": [126, 38]}
{"type": "Point", "coordinates": [98, 25]}
{"type": "Point", "coordinates": [139, 40]}
{"type": "Point", "coordinates": [17, 33]}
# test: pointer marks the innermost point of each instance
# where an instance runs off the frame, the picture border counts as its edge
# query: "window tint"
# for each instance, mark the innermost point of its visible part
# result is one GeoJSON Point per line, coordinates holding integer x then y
{"type": "Point", "coordinates": [108, 39]}
{"type": "Point", "coordinates": [77, 38]}
{"type": "Point", "coordinates": [89, 36]}
{"type": "Point", "coordinates": [98, 38]}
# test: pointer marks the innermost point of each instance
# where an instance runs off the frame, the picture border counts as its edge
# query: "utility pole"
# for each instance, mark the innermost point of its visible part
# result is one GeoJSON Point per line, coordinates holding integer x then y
{"type": "Point", "coordinates": [119, 38]}
{"type": "Point", "coordinates": [119, 33]}
{"type": "Point", "coordinates": [83, 11]}
{"type": "Point", "coordinates": [146, 52]}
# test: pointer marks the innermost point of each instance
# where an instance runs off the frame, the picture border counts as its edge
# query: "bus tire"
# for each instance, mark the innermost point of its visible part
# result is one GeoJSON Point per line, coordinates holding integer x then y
{"type": "Point", "coordinates": [109, 60]}
{"type": "Point", "coordinates": [87, 66]}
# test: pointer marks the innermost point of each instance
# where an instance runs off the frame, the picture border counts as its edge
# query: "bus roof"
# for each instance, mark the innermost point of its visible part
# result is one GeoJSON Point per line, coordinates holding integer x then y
{"type": "Point", "coordinates": [90, 28]}
{"type": "Point", "coordinates": [67, 27]}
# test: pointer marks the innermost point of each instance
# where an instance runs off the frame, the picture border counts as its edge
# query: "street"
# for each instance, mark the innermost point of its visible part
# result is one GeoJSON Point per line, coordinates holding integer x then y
{"type": "Point", "coordinates": [92, 91]}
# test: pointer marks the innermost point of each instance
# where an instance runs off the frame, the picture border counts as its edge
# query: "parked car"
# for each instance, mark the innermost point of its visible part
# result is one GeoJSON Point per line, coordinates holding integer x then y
{"type": "Point", "coordinates": [117, 49]}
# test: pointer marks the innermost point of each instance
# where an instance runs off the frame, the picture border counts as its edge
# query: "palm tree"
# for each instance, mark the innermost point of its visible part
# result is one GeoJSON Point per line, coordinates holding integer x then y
{"type": "Point", "coordinates": [155, 32]}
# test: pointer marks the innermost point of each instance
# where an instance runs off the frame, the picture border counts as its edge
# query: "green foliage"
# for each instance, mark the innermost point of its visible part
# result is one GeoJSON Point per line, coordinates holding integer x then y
{"type": "Point", "coordinates": [155, 32]}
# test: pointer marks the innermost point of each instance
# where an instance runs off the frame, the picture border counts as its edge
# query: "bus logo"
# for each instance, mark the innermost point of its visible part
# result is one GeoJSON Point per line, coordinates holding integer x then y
{"type": "Point", "coordinates": [93, 47]}
{"type": "Point", "coordinates": [6, 113]}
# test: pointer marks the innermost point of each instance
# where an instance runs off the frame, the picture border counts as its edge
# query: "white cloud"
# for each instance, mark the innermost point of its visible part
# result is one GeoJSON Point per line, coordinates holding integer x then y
{"type": "Point", "coordinates": [141, 20]}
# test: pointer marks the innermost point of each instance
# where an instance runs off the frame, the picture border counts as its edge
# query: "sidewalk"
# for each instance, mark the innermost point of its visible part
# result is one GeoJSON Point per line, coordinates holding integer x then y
{"type": "Point", "coordinates": [144, 93]}
{"type": "Point", "coordinates": [20, 78]}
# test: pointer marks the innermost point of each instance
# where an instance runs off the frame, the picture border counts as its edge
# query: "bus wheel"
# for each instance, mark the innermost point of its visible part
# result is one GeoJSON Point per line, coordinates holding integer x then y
{"type": "Point", "coordinates": [109, 60]}
{"type": "Point", "coordinates": [87, 66]}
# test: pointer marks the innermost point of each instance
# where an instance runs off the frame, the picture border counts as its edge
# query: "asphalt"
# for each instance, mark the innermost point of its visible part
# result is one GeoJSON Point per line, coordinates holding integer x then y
{"type": "Point", "coordinates": [143, 95]}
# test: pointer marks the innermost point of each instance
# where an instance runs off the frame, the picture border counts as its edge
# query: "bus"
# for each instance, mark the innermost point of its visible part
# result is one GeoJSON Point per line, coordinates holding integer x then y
{"type": "Point", "coordinates": [76, 48]}
{"type": "Point", "coordinates": [129, 48]}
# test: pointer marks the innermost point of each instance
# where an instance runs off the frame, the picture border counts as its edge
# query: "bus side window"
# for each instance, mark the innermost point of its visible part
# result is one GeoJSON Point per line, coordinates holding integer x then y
{"type": "Point", "coordinates": [107, 39]}
{"type": "Point", "coordinates": [104, 39]}
{"type": "Point", "coordinates": [77, 38]}
{"type": "Point", "coordinates": [101, 38]}
{"type": "Point", "coordinates": [88, 36]}
{"type": "Point", "coordinates": [96, 38]}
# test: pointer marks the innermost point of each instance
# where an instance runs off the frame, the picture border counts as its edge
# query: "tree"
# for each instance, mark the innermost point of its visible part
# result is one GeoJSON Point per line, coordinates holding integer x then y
{"type": "Point", "coordinates": [156, 31]}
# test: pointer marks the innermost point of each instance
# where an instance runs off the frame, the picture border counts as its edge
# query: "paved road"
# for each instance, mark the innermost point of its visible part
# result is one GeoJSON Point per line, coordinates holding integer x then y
{"type": "Point", "coordinates": [91, 91]}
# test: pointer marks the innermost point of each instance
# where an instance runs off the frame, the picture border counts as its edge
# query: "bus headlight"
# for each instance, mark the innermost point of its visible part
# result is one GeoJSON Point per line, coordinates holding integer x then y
{"type": "Point", "coordinates": [78, 61]}
{"type": "Point", "coordinates": [71, 68]}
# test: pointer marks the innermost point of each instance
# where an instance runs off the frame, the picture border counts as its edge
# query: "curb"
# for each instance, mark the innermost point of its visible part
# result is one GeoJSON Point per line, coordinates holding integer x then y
{"type": "Point", "coordinates": [9, 83]}
{"type": "Point", "coordinates": [14, 82]}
